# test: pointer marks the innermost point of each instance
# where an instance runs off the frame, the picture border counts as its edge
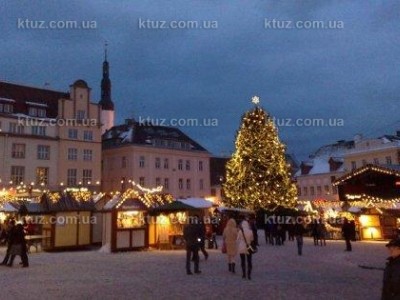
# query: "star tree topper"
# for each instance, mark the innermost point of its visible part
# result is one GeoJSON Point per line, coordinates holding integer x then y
{"type": "Point", "coordinates": [255, 100]}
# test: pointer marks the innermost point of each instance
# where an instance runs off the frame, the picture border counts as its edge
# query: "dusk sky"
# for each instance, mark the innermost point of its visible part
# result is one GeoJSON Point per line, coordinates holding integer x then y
{"type": "Point", "coordinates": [350, 73]}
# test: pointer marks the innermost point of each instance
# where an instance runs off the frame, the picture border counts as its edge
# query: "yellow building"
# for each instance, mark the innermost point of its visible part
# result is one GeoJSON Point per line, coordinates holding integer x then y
{"type": "Point", "coordinates": [384, 150]}
{"type": "Point", "coordinates": [49, 139]}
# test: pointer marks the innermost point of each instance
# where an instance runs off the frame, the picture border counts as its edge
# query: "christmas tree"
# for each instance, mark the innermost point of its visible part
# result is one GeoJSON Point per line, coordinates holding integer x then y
{"type": "Point", "coordinates": [257, 175]}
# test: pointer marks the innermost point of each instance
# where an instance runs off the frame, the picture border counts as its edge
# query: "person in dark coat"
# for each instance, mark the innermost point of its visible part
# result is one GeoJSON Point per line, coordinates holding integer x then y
{"type": "Point", "coordinates": [203, 240]}
{"type": "Point", "coordinates": [9, 233]}
{"type": "Point", "coordinates": [299, 231]}
{"type": "Point", "coordinates": [391, 274]}
{"type": "Point", "coordinates": [192, 233]}
{"type": "Point", "coordinates": [18, 246]}
{"type": "Point", "coordinates": [347, 232]}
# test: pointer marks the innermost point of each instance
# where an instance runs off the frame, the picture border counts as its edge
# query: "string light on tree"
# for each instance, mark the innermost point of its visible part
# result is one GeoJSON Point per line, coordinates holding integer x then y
{"type": "Point", "coordinates": [257, 174]}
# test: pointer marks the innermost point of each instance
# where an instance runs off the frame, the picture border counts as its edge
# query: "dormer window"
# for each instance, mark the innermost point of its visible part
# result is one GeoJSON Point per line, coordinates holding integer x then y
{"type": "Point", "coordinates": [6, 108]}
{"type": "Point", "coordinates": [37, 109]}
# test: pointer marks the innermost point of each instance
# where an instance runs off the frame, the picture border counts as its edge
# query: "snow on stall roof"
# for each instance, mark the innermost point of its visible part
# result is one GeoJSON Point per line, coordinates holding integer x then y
{"type": "Point", "coordinates": [196, 202]}
{"type": "Point", "coordinates": [7, 207]}
{"type": "Point", "coordinates": [112, 202]}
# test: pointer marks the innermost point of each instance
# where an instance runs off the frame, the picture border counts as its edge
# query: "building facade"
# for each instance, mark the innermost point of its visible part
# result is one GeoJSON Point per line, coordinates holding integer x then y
{"type": "Point", "coordinates": [49, 139]}
{"type": "Point", "coordinates": [315, 177]}
{"type": "Point", "coordinates": [384, 150]}
{"type": "Point", "coordinates": [153, 156]}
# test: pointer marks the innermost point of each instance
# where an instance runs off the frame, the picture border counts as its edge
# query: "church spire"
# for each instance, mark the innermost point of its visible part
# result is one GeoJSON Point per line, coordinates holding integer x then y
{"type": "Point", "coordinates": [105, 101]}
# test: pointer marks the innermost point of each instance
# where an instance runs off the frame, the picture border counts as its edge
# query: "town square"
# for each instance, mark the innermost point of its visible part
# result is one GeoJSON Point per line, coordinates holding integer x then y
{"type": "Point", "coordinates": [199, 149]}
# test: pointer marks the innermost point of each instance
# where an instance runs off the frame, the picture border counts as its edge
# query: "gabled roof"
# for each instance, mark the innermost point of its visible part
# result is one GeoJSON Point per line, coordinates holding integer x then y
{"type": "Point", "coordinates": [148, 135]}
{"type": "Point", "coordinates": [23, 95]}
{"type": "Point", "coordinates": [384, 169]}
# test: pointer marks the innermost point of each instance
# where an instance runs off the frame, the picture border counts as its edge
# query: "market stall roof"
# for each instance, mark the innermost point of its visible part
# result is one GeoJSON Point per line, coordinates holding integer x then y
{"type": "Point", "coordinates": [197, 202]}
{"type": "Point", "coordinates": [174, 206]}
{"type": "Point", "coordinates": [8, 207]}
{"type": "Point", "coordinates": [118, 202]}
{"type": "Point", "coordinates": [239, 210]}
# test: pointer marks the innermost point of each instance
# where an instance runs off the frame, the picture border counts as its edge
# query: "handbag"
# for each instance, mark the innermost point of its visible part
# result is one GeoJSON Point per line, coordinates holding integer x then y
{"type": "Point", "coordinates": [251, 249]}
{"type": "Point", "coordinates": [223, 249]}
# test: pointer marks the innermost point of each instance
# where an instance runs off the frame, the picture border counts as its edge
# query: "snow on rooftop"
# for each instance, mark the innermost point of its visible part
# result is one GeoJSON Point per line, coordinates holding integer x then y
{"type": "Point", "coordinates": [112, 202]}
{"type": "Point", "coordinates": [7, 99]}
{"type": "Point", "coordinates": [196, 202]}
{"type": "Point", "coordinates": [36, 104]}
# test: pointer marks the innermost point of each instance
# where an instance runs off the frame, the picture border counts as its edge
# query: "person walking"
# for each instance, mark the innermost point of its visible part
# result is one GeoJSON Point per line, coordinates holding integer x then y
{"type": "Point", "coordinates": [18, 246]}
{"type": "Point", "coordinates": [230, 236]}
{"type": "Point", "coordinates": [203, 239]}
{"type": "Point", "coordinates": [347, 232]}
{"type": "Point", "coordinates": [245, 237]}
{"type": "Point", "coordinates": [9, 233]}
{"type": "Point", "coordinates": [192, 233]}
{"type": "Point", "coordinates": [391, 274]}
{"type": "Point", "coordinates": [299, 231]}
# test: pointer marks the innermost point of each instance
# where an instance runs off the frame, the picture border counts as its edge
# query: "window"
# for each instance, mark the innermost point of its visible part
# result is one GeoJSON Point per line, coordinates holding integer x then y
{"type": "Point", "coordinates": [388, 160]}
{"type": "Point", "coordinates": [200, 166]}
{"type": "Point", "coordinates": [333, 178]}
{"type": "Point", "coordinates": [298, 191]}
{"type": "Point", "coordinates": [188, 184]}
{"type": "Point", "coordinates": [353, 165]}
{"type": "Point", "coordinates": [6, 108]}
{"type": "Point", "coordinates": [201, 184]}
{"type": "Point", "coordinates": [326, 188]}
{"type": "Point", "coordinates": [166, 163]}
{"type": "Point", "coordinates": [180, 164]}
{"type": "Point", "coordinates": [17, 174]}
{"type": "Point", "coordinates": [142, 181]}
{"type": "Point", "coordinates": [80, 115]}
{"type": "Point", "coordinates": [305, 191]}
{"type": "Point", "coordinates": [180, 183]}
{"type": "Point", "coordinates": [141, 161]}
{"type": "Point", "coordinates": [124, 162]}
{"type": "Point", "coordinates": [334, 190]}
{"type": "Point", "coordinates": [72, 154]}
{"type": "Point", "coordinates": [39, 130]}
{"type": "Point", "coordinates": [41, 113]}
{"type": "Point", "coordinates": [73, 133]}
{"type": "Point", "coordinates": [376, 161]}
{"type": "Point", "coordinates": [158, 163]}
{"type": "Point", "coordinates": [319, 190]}
{"type": "Point", "coordinates": [88, 135]}
{"type": "Point", "coordinates": [364, 162]}
{"type": "Point", "coordinates": [166, 183]}
{"type": "Point", "coordinates": [42, 176]}
{"type": "Point", "coordinates": [18, 151]}
{"type": "Point", "coordinates": [43, 152]}
{"type": "Point", "coordinates": [158, 181]}
{"type": "Point", "coordinates": [32, 111]}
{"type": "Point", "coordinates": [71, 177]}
{"type": "Point", "coordinates": [16, 128]}
{"type": "Point", "coordinates": [87, 154]}
{"type": "Point", "coordinates": [312, 191]}
{"type": "Point", "coordinates": [86, 176]}
{"type": "Point", "coordinates": [188, 165]}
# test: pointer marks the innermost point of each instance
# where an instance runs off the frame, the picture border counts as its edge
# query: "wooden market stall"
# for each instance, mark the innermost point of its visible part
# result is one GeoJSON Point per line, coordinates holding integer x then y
{"type": "Point", "coordinates": [167, 230]}
{"type": "Point", "coordinates": [124, 225]}
{"type": "Point", "coordinates": [375, 191]}
{"type": "Point", "coordinates": [64, 220]}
